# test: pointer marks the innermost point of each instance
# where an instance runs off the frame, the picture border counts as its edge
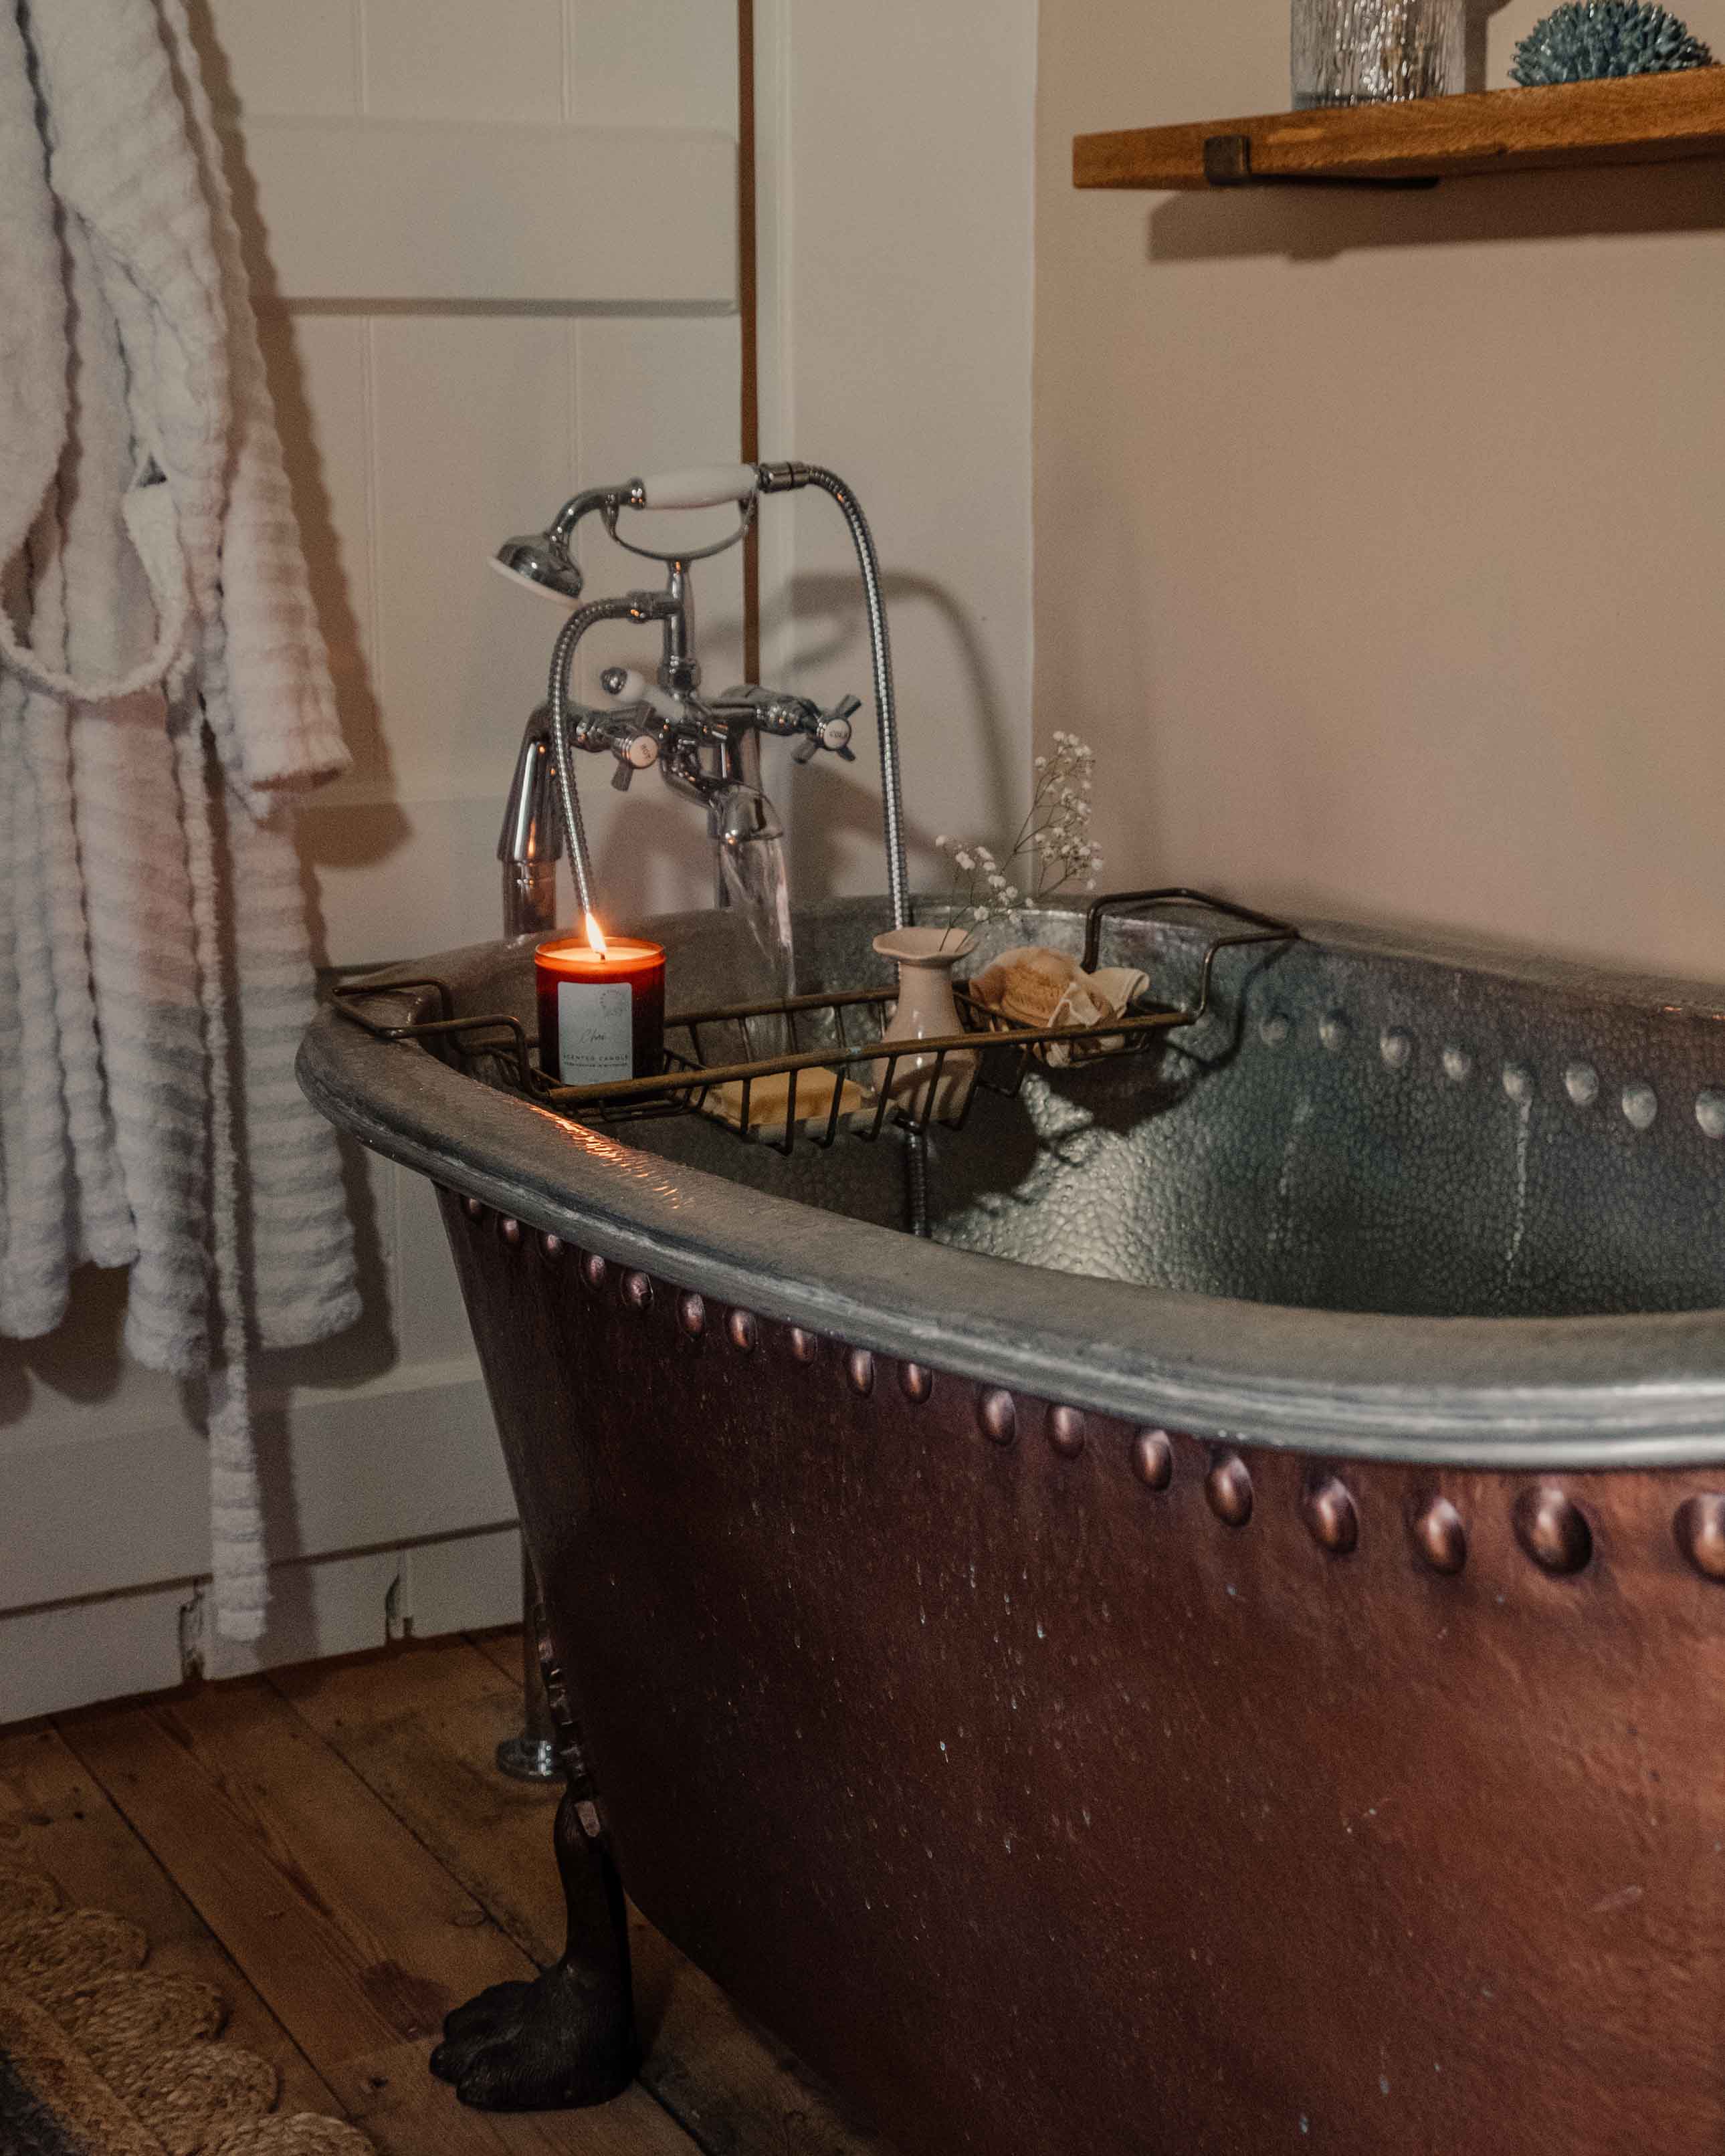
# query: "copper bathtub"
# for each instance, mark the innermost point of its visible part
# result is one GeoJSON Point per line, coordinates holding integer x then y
{"type": "Point", "coordinates": [1220, 1649]}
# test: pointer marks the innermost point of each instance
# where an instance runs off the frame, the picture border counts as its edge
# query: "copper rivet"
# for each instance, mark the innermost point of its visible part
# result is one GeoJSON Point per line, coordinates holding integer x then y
{"type": "Point", "coordinates": [741, 1326]}
{"type": "Point", "coordinates": [1065, 1431]}
{"type": "Point", "coordinates": [915, 1382]}
{"type": "Point", "coordinates": [551, 1248]}
{"type": "Point", "coordinates": [1553, 1529]}
{"type": "Point", "coordinates": [475, 1207]}
{"type": "Point", "coordinates": [1154, 1459]}
{"type": "Point", "coordinates": [997, 1415]}
{"type": "Point", "coordinates": [1229, 1487]}
{"type": "Point", "coordinates": [510, 1231]}
{"type": "Point", "coordinates": [1440, 1535]}
{"type": "Point", "coordinates": [805, 1346]}
{"type": "Point", "coordinates": [637, 1290]}
{"type": "Point", "coordinates": [1330, 1513]}
{"type": "Point", "coordinates": [593, 1269]}
{"type": "Point", "coordinates": [859, 1368]}
{"type": "Point", "coordinates": [1699, 1529]}
{"type": "Point", "coordinates": [691, 1315]}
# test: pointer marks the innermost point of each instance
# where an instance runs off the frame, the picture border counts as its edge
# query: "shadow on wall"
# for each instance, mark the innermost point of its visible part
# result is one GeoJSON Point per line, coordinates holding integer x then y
{"type": "Point", "coordinates": [84, 1359]}
{"type": "Point", "coordinates": [833, 625]}
{"type": "Point", "coordinates": [328, 586]}
{"type": "Point", "coordinates": [80, 1360]}
{"type": "Point", "coordinates": [377, 834]}
{"type": "Point", "coordinates": [1315, 224]}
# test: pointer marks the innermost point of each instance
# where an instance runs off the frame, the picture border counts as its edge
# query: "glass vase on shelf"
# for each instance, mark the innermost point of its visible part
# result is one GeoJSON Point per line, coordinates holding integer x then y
{"type": "Point", "coordinates": [1374, 52]}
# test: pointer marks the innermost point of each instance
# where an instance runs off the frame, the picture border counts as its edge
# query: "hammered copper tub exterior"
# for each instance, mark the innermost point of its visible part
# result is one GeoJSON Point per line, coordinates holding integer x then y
{"type": "Point", "coordinates": [1057, 1782]}
{"type": "Point", "coordinates": [1051, 1810]}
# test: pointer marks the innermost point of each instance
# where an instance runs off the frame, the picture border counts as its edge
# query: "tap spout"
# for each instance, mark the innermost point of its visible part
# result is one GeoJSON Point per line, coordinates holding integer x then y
{"type": "Point", "coordinates": [531, 841]}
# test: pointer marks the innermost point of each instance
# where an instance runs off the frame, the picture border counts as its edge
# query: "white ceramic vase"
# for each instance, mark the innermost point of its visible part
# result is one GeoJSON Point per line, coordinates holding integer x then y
{"type": "Point", "coordinates": [925, 1011]}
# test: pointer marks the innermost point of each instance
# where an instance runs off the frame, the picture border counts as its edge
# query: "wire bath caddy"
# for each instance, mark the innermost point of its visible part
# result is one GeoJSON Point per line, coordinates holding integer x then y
{"type": "Point", "coordinates": [910, 1089]}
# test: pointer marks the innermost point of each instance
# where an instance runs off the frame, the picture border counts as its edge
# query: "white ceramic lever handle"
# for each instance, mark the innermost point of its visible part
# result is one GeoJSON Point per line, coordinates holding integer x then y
{"type": "Point", "coordinates": [704, 486]}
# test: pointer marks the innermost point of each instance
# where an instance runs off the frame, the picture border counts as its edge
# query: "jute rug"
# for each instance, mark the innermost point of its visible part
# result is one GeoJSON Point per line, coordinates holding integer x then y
{"type": "Point", "coordinates": [100, 2057]}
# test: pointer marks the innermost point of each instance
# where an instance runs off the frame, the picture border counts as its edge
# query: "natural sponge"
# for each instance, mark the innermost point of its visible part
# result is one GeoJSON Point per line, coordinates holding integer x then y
{"type": "Point", "coordinates": [1587, 38]}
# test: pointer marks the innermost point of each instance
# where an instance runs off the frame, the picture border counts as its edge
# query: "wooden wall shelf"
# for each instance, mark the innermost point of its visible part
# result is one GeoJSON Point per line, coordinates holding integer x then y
{"type": "Point", "coordinates": [1631, 120]}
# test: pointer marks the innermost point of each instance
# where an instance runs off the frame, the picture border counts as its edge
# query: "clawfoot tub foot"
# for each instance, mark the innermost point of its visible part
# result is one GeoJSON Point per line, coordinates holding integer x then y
{"type": "Point", "coordinates": [567, 2039]}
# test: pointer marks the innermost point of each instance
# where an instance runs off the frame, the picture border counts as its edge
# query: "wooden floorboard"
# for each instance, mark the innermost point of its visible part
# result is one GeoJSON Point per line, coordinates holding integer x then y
{"type": "Point", "coordinates": [54, 1818]}
{"type": "Point", "coordinates": [334, 1850]}
{"type": "Point", "coordinates": [501, 1649]}
{"type": "Point", "coordinates": [358, 1939]}
{"type": "Point", "coordinates": [420, 1730]}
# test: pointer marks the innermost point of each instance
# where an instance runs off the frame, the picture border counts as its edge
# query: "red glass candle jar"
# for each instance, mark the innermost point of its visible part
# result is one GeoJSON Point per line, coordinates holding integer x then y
{"type": "Point", "coordinates": [601, 1009]}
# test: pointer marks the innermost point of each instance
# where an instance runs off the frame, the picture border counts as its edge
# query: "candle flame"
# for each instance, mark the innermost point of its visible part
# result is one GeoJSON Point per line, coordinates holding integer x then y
{"type": "Point", "coordinates": [595, 934]}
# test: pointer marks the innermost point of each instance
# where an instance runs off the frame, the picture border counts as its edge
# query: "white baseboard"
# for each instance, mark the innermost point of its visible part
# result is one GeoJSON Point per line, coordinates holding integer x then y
{"type": "Point", "coordinates": [54, 1659]}
{"type": "Point", "coordinates": [387, 1505]}
{"type": "Point", "coordinates": [115, 1646]}
{"type": "Point", "coordinates": [467, 1585]}
{"type": "Point", "coordinates": [406, 1457]}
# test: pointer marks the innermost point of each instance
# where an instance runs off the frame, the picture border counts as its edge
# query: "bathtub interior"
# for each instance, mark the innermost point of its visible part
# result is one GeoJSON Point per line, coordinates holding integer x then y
{"type": "Point", "coordinates": [1359, 1125]}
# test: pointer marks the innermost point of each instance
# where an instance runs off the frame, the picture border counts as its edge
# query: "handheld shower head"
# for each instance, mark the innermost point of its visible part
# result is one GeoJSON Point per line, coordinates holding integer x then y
{"type": "Point", "coordinates": [544, 561]}
{"type": "Point", "coordinates": [540, 560]}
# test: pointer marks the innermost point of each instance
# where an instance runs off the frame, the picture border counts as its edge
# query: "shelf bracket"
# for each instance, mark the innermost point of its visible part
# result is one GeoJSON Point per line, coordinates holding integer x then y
{"type": "Point", "coordinates": [1228, 163]}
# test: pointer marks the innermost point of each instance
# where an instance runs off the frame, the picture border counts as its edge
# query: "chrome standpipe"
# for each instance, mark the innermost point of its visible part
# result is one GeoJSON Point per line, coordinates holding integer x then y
{"type": "Point", "coordinates": [528, 847]}
{"type": "Point", "coordinates": [531, 1755]}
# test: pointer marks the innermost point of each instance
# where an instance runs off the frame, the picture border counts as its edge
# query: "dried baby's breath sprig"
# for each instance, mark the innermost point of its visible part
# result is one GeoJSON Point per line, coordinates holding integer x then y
{"type": "Point", "coordinates": [1053, 841]}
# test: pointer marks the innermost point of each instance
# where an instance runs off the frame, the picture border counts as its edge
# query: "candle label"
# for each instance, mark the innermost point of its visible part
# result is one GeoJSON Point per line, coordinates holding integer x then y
{"type": "Point", "coordinates": [595, 1031]}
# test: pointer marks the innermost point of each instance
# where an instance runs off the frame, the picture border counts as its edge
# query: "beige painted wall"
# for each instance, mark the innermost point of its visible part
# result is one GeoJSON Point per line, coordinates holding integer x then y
{"type": "Point", "coordinates": [1380, 539]}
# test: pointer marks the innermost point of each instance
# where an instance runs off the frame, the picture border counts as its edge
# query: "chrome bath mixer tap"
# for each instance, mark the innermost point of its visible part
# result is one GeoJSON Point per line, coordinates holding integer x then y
{"type": "Point", "coordinates": [706, 748]}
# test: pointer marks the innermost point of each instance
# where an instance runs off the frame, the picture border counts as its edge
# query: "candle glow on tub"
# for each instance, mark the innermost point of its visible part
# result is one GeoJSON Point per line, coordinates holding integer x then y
{"type": "Point", "coordinates": [601, 1008]}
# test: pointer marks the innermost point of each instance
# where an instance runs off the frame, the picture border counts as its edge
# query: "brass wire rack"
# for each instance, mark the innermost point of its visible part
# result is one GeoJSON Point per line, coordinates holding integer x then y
{"type": "Point", "coordinates": [910, 1085]}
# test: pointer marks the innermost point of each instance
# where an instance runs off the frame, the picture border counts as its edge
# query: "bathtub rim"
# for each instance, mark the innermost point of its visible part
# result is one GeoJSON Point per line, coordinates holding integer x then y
{"type": "Point", "coordinates": [1465, 1392]}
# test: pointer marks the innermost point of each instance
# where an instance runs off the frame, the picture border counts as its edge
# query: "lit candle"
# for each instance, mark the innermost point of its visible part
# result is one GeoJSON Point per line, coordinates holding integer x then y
{"type": "Point", "coordinates": [601, 1008]}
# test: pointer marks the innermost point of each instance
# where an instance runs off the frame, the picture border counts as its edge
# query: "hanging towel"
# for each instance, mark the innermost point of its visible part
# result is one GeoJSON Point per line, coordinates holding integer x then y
{"type": "Point", "coordinates": [163, 694]}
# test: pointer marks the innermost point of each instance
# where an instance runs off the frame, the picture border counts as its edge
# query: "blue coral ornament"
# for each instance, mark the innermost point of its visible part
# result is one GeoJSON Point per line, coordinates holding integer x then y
{"type": "Point", "coordinates": [1587, 39]}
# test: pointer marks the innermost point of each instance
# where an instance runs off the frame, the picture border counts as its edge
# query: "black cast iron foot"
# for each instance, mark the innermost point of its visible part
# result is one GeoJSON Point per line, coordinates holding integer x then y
{"type": "Point", "coordinates": [567, 2038]}
{"type": "Point", "coordinates": [555, 2044]}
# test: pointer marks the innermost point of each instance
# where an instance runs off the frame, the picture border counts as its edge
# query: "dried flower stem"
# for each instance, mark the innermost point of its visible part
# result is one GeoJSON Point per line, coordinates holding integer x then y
{"type": "Point", "coordinates": [1053, 841]}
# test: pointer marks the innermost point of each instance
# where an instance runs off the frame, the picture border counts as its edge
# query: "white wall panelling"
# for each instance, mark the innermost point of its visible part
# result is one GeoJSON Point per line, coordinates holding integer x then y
{"type": "Point", "coordinates": [450, 210]}
{"type": "Point", "coordinates": [455, 339]}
